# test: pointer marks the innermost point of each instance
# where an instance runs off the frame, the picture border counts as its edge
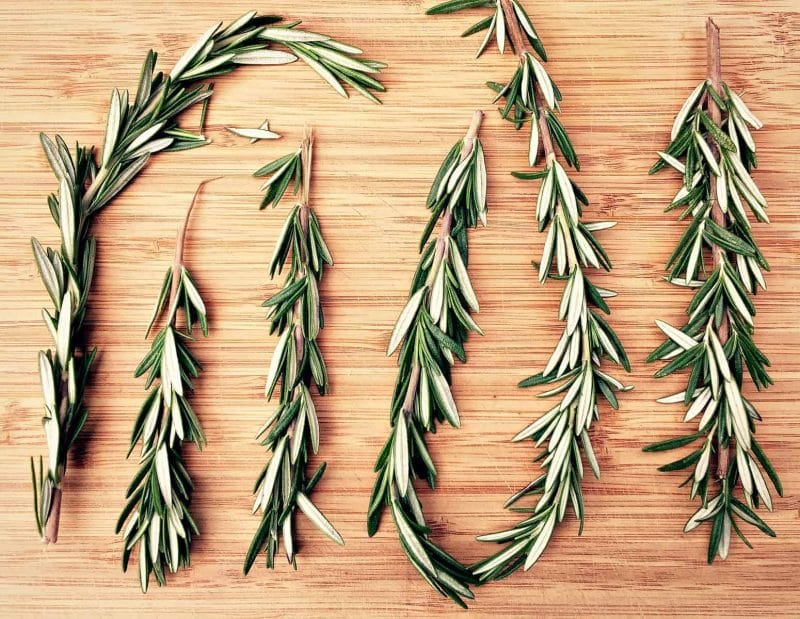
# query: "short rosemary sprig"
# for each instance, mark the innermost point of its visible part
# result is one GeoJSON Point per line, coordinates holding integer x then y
{"type": "Point", "coordinates": [138, 127]}
{"type": "Point", "coordinates": [295, 313]}
{"type": "Point", "coordinates": [574, 369]}
{"type": "Point", "coordinates": [430, 332]}
{"type": "Point", "coordinates": [714, 151]}
{"type": "Point", "coordinates": [157, 511]}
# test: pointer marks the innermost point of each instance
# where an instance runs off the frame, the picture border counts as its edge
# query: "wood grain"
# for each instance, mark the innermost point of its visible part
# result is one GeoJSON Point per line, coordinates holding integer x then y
{"type": "Point", "coordinates": [625, 67]}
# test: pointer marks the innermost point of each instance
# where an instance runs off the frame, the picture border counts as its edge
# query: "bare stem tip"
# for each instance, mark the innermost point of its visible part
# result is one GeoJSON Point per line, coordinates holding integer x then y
{"type": "Point", "coordinates": [307, 150]}
{"type": "Point", "coordinates": [475, 125]}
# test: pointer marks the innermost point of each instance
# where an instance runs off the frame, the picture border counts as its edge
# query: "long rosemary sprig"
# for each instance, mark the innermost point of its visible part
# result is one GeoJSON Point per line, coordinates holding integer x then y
{"type": "Point", "coordinates": [430, 332]}
{"type": "Point", "coordinates": [138, 127]}
{"type": "Point", "coordinates": [157, 511]}
{"type": "Point", "coordinates": [295, 313]}
{"type": "Point", "coordinates": [570, 250]}
{"type": "Point", "coordinates": [714, 151]}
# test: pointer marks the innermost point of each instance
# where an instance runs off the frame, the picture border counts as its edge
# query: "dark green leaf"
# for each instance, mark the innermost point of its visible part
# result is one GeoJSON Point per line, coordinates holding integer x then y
{"type": "Point", "coordinates": [674, 443]}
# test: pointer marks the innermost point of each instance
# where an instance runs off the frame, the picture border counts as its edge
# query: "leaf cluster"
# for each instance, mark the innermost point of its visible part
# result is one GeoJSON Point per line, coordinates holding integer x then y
{"type": "Point", "coordinates": [61, 432]}
{"type": "Point", "coordinates": [689, 153]}
{"type": "Point", "coordinates": [495, 25]}
{"type": "Point", "coordinates": [570, 243]}
{"type": "Point", "coordinates": [459, 193]}
{"type": "Point", "coordinates": [522, 105]}
{"type": "Point", "coordinates": [336, 62]}
{"type": "Point", "coordinates": [282, 172]}
{"type": "Point", "coordinates": [572, 373]}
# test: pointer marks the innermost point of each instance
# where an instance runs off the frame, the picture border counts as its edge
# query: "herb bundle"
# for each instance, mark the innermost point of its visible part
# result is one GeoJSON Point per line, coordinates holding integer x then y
{"type": "Point", "coordinates": [157, 511]}
{"type": "Point", "coordinates": [138, 127]}
{"type": "Point", "coordinates": [295, 313]}
{"type": "Point", "coordinates": [571, 248]}
{"type": "Point", "coordinates": [713, 149]}
{"type": "Point", "coordinates": [430, 333]}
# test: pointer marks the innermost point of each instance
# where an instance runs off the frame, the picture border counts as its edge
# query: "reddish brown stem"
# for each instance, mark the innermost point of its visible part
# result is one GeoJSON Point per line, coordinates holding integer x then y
{"type": "Point", "coordinates": [544, 128]}
{"type": "Point", "coordinates": [177, 263]}
{"type": "Point", "coordinates": [447, 218]}
{"type": "Point", "coordinates": [441, 246]}
{"type": "Point", "coordinates": [520, 43]}
{"type": "Point", "coordinates": [306, 153]}
{"type": "Point", "coordinates": [50, 535]}
{"type": "Point", "coordinates": [715, 82]}
{"type": "Point", "coordinates": [518, 39]}
{"type": "Point", "coordinates": [411, 392]}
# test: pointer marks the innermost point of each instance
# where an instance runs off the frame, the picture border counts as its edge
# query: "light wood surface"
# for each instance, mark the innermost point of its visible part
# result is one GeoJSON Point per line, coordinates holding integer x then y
{"type": "Point", "coordinates": [624, 67]}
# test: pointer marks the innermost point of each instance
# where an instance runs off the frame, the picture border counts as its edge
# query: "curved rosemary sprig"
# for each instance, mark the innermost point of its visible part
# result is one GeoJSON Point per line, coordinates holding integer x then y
{"type": "Point", "coordinates": [136, 128]}
{"type": "Point", "coordinates": [430, 331]}
{"type": "Point", "coordinates": [713, 150]}
{"type": "Point", "coordinates": [295, 313]}
{"type": "Point", "coordinates": [157, 511]}
{"type": "Point", "coordinates": [570, 250]}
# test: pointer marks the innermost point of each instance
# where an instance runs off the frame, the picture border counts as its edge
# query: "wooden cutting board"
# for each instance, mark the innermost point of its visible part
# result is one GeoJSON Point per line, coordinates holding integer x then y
{"type": "Point", "coordinates": [625, 67]}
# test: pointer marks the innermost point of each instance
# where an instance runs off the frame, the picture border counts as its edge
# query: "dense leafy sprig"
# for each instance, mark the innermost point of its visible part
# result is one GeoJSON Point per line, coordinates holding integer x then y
{"type": "Point", "coordinates": [571, 248]}
{"type": "Point", "coordinates": [430, 333]}
{"type": "Point", "coordinates": [138, 127]}
{"type": "Point", "coordinates": [714, 151]}
{"type": "Point", "coordinates": [157, 511]}
{"type": "Point", "coordinates": [295, 314]}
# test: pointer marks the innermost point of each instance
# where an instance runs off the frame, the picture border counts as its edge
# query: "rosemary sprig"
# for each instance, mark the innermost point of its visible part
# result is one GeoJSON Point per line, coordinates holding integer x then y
{"type": "Point", "coordinates": [157, 511]}
{"type": "Point", "coordinates": [295, 313]}
{"type": "Point", "coordinates": [714, 151]}
{"type": "Point", "coordinates": [138, 127]}
{"type": "Point", "coordinates": [430, 332]}
{"type": "Point", "coordinates": [570, 250]}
